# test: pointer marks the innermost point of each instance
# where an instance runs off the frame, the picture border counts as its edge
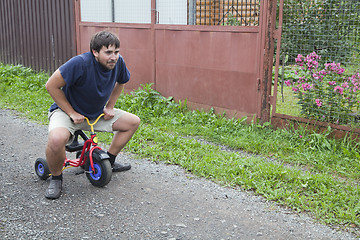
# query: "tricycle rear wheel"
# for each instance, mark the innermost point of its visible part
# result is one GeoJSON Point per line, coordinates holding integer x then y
{"type": "Point", "coordinates": [42, 169]}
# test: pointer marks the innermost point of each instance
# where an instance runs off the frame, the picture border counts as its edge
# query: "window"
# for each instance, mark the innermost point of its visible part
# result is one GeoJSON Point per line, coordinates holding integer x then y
{"type": "Point", "coordinates": [183, 12]}
{"type": "Point", "coordinates": [122, 11]}
{"type": "Point", "coordinates": [172, 12]}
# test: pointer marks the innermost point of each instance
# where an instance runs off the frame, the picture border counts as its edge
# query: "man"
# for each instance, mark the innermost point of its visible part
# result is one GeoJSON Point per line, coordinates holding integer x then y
{"type": "Point", "coordinates": [88, 85]}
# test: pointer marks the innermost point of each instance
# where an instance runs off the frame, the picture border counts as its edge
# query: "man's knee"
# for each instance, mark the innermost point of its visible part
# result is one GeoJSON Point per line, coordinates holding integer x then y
{"type": "Point", "coordinates": [136, 121]}
{"type": "Point", "coordinates": [127, 122]}
{"type": "Point", "coordinates": [58, 138]}
{"type": "Point", "coordinates": [133, 122]}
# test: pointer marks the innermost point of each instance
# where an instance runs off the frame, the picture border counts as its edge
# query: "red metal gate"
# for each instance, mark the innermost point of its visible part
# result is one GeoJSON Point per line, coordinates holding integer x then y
{"type": "Point", "coordinates": [228, 68]}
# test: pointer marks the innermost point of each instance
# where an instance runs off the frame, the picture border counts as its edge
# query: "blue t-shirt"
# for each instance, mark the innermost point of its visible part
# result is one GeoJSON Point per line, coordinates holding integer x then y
{"type": "Point", "coordinates": [89, 85]}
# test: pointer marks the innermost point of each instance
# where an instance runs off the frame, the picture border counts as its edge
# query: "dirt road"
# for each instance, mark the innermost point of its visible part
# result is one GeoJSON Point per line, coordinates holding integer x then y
{"type": "Point", "coordinates": [151, 201]}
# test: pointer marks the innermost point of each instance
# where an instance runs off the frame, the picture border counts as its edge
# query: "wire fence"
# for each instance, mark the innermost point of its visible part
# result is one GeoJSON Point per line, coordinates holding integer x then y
{"type": "Point", "coordinates": [329, 27]}
{"type": "Point", "coordinates": [320, 58]}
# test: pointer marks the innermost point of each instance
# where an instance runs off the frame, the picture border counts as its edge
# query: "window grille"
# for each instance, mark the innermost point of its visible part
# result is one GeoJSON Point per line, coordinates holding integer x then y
{"type": "Point", "coordinates": [227, 12]}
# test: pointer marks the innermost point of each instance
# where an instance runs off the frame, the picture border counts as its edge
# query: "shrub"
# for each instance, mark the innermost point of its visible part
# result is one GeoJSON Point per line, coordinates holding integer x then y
{"type": "Point", "coordinates": [325, 94]}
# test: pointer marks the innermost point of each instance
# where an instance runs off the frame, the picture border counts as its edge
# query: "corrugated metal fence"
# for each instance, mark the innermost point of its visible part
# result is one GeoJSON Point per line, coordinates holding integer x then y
{"type": "Point", "coordinates": [37, 33]}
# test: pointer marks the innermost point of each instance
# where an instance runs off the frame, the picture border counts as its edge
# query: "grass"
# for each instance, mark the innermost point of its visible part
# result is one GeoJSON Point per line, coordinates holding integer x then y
{"type": "Point", "coordinates": [286, 102]}
{"type": "Point", "coordinates": [297, 168]}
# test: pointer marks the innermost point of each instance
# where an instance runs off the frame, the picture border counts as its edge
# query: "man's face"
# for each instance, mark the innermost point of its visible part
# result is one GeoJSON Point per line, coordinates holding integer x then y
{"type": "Point", "coordinates": [107, 56]}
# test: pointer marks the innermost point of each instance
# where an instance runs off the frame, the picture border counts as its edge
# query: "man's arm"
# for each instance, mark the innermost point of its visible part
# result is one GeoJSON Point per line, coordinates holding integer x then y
{"type": "Point", "coordinates": [109, 108]}
{"type": "Point", "coordinates": [53, 86]}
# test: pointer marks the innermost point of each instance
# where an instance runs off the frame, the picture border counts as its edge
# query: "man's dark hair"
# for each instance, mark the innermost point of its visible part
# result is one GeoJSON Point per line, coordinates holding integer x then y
{"type": "Point", "coordinates": [103, 38]}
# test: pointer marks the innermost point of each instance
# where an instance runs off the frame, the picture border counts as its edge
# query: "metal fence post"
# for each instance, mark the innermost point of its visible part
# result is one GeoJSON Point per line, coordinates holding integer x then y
{"type": "Point", "coordinates": [154, 21]}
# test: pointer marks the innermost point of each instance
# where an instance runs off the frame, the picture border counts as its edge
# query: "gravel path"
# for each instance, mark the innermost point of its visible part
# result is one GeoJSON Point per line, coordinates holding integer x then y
{"type": "Point", "coordinates": [151, 201]}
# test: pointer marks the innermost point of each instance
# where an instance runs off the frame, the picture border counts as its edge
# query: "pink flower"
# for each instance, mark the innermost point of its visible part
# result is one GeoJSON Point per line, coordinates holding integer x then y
{"type": "Point", "coordinates": [318, 102]}
{"type": "Point", "coordinates": [295, 89]}
{"type": "Point", "coordinates": [355, 80]}
{"type": "Point", "coordinates": [298, 59]}
{"type": "Point", "coordinates": [323, 72]}
{"type": "Point", "coordinates": [315, 76]}
{"type": "Point", "coordinates": [341, 71]}
{"type": "Point", "coordinates": [306, 86]}
{"type": "Point", "coordinates": [334, 67]}
{"type": "Point", "coordinates": [345, 85]}
{"type": "Point", "coordinates": [339, 89]}
{"type": "Point", "coordinates": [287, 83]}
{"type": "Point", "coordinates": [311, 61]}
{"type": "Point", "coordinates": [332, 83]}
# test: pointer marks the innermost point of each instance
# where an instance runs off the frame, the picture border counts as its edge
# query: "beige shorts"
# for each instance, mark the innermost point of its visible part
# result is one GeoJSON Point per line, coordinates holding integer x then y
{"type": "Point", "coordinates": [59, 118]}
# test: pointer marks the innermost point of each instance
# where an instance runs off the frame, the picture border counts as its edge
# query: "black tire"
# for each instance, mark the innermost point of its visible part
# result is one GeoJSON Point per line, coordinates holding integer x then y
{"type": "Point", "coordinates": [103, 171]}
{"type": "Point", "coordinates": [42, 169]}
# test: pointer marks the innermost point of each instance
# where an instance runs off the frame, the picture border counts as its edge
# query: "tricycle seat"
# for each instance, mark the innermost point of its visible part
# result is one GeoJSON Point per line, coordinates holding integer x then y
{"type": "Point", "coordinates": [76, 145]}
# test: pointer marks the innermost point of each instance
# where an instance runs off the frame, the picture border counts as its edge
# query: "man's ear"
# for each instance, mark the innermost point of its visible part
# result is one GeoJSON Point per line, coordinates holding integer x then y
{"type": "Point", "coordinates": [95, 53]}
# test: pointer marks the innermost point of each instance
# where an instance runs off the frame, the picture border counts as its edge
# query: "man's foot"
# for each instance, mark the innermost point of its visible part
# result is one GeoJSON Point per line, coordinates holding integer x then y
{"type": "Point", "coordinates": [117, 167]}
{"type": "Point", "coordinates": [54, 189]}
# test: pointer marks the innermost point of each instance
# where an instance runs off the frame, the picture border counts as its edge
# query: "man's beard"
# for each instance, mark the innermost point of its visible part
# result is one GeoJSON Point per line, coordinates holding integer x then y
{"type": "Point", "coordinates": [109, 67]}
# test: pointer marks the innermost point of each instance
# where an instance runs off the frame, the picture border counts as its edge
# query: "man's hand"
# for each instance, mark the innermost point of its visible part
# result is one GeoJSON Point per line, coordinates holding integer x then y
{"type": "Point", "coordinates": [77, 118]}
{"type": "Point", "coordinates": [109, 113]}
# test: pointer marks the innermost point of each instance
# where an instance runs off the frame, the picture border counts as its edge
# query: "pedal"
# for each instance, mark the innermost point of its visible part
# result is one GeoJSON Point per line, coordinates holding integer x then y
{"type": "Point", "coordinates": [80, 172]}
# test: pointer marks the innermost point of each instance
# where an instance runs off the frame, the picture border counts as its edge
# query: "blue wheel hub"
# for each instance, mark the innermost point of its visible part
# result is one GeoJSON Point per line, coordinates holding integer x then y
{"type": "Point", "coordinates": [97, 174]}
{"type": "Point", "coordinates": [41, 169]}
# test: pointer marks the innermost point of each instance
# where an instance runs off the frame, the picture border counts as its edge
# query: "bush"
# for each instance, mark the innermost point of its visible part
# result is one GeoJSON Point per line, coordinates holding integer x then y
{"type": "Point", "coordinates": [325, 94]}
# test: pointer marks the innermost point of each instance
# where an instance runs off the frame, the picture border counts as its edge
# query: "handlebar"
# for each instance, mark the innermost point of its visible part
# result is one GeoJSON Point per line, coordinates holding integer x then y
{"type": "Point", "coordinates": [92, 124]}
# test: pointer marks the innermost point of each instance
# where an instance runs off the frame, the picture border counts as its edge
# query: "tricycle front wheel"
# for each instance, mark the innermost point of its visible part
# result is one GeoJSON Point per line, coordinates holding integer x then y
{"type": "Point", "coordinates": [103, 171]}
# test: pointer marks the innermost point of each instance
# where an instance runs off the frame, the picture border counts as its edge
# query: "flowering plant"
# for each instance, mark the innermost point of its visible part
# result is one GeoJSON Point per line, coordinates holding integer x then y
{"type": "Point", "coordinates": [325, 94]}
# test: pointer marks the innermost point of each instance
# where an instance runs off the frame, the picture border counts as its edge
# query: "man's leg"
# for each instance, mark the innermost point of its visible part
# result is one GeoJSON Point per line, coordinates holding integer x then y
{"type": "Point", "coordinates": [125, 128]}
{"type": "Point", "coordinates": [55, 157]}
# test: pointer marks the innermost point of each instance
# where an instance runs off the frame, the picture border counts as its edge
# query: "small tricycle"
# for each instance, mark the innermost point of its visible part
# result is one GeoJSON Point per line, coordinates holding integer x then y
{"type": "Point", "coordinates": [89, 156]}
